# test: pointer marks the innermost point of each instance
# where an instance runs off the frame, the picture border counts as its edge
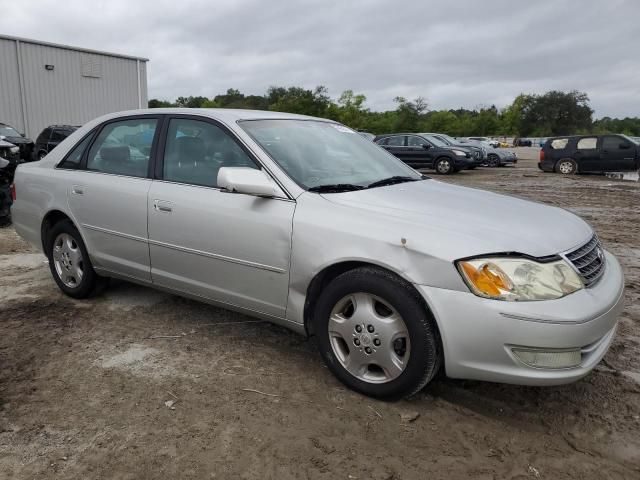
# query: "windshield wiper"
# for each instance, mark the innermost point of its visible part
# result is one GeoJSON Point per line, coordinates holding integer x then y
{"type": "Point", "coordinates": [335, 188]}
{"type": "Point", "coordinates": [392, 181]}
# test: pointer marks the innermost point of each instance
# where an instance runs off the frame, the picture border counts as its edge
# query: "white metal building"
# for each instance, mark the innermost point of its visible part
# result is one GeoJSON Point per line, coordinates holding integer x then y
{"type": "Point", "coordinates": [44, 84]}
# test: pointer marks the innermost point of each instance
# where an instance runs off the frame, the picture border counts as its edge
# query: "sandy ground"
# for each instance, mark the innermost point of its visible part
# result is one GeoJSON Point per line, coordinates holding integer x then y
{"type": "Point", "coordinates": [83, 384]}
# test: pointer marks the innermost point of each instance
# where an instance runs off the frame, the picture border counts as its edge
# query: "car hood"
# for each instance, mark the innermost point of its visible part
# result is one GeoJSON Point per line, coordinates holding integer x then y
{"type": "Point", "coordinates": [18, 140]}
{"type": "Point", "coordinates": [454, 222]}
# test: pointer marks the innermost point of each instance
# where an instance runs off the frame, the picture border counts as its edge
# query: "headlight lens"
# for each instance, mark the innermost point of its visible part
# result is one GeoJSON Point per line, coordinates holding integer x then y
{"type": "Point", "coordinates": [14, 149]}
{"type": "Point", "coordinates": [459, 153]}
{"type": "Point", "coordinates": [519, 279]}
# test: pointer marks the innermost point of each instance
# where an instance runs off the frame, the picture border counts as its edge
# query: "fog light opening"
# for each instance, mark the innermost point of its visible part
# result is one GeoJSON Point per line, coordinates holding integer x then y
{"type": "Point", "coordinates": [552, 359]}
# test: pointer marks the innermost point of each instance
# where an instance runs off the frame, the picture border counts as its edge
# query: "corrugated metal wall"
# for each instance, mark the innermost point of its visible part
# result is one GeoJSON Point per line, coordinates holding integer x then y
{"type": "Point", "coordinates": [10, 99]}
{"type": "Point", "coordinates": [81, 86]}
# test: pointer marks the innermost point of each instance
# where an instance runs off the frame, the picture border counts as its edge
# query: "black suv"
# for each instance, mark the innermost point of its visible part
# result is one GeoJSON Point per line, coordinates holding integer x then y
{"type": "Point", "coordinates": [420, 152]}
{"type": "Point", "coordinates": [589, 153]}
{"type": "Point", "coordinates": [11, 135]}
{"type": "Point", "coordinates": [50, 138]}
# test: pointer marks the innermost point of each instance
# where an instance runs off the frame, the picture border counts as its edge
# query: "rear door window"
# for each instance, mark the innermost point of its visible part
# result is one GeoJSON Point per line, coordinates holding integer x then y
{"type": "Point", "coordinates": [588, 143]}
{"type": "Point", "coordinates": [123, 148]}
{"type": "Point", "coordinates": [559, 143]}
{"type": "Point", "coordinates": [395, 141]}
{"type": "Point", "coordinates": [59, 135]}
{"type": "Point", "coordinates": [414, 141]}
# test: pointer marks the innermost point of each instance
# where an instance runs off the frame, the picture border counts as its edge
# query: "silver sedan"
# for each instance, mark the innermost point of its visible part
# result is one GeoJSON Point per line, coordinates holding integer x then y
{"type": "Point", "coordinates": [305, 223]}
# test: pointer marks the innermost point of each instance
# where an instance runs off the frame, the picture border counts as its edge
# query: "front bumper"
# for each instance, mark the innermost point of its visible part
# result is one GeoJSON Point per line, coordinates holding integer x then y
{"type": "Point", "coordinates": [478, 333]}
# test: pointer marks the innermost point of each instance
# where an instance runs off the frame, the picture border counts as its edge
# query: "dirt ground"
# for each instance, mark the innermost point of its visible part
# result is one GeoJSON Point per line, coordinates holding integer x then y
{"type": "Point", "coordinates": [83, 384]}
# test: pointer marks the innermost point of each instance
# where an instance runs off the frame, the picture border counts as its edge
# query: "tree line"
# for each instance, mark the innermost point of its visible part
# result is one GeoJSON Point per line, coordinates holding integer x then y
{"type": "Point", "coordinates": [529, 115]}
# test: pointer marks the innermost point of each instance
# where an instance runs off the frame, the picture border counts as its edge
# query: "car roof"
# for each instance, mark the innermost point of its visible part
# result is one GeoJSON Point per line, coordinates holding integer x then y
{"type": "Point", "coordinates": [223, 114]}
{"type": "Point", "coordinates": [584, 136]}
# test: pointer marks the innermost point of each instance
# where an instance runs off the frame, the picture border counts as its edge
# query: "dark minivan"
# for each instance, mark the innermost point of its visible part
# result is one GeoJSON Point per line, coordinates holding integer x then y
{"type": "Point", "coordinates": [589, 153]}
{"type": "Point", "coordinates": [50, 137]}
{"type": "Point", "coordinates": [420, 152]}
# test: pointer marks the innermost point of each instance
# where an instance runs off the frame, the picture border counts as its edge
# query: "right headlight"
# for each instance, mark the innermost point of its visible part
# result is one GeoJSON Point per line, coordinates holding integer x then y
{"type": "Point", "coordinates": [460, 153]}
{"type": "Point", "coordinates": [519, 279]}
{"type": "Point", "coordinates": [14, 149]}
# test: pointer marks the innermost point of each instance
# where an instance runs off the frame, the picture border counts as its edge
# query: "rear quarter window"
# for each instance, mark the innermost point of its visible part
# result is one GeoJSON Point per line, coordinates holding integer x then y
{"type": "Point", "coordinates": [559, 143]}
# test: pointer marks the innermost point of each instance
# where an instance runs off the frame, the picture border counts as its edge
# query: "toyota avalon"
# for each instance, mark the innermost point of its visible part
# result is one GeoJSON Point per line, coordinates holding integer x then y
{"type": "Point", "coordinates": [303, 222]}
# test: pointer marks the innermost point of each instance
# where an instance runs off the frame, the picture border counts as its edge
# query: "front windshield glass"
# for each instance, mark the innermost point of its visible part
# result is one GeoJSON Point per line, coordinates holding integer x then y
{"type": "Point", "coordinates": [436, 141]}
{"type": "Point", "coordinates": [316, 153]}
{"type": "Point", "coordinates": [7, 131]}
{"type": "Point", "coordinates": [632, 140]}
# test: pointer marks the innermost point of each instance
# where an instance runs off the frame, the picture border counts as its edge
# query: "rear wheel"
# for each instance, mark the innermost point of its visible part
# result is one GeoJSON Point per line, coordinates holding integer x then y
{"type": "Point", "coordinates": [566, 166]}
{"type": "Point", "coordinates": [494, 161]}
{"type": "Point", "coordinates": [376, 335]}
{"type": "Point", "coordinates": [70, 264]}
{"type": "Point", "coordinates": [444, 166]}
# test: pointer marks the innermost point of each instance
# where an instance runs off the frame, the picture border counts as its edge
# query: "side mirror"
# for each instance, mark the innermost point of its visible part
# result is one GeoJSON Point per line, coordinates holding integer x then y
{"type": "Point", "coordinates": [426, 146]}
{"type": "Point", "coordinates": [22, 134]}
{"type": "Point", "coordinates": [248, 181]}
{"type": "Point", "coordinates": [2, 137]}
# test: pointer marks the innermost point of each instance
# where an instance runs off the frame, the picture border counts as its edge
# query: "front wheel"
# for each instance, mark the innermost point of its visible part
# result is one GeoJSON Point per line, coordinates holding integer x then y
{"type": "Point", "coordinates": [444, 166]}
{"type": "Point", "coordinates": [69, 262]}
{"type": "Point", "coordinates": [376, 335]}
{"type": "Point", "coordinates": [494, 161]}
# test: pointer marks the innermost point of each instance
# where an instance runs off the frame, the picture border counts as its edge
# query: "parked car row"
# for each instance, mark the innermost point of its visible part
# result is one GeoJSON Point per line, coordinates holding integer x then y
{"type": "Point", "coordinates": [443, 153]}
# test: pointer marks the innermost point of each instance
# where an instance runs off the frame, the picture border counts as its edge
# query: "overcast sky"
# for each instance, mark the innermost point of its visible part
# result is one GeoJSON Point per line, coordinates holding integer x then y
{"type": "Point", "coordinates": [455, 53]}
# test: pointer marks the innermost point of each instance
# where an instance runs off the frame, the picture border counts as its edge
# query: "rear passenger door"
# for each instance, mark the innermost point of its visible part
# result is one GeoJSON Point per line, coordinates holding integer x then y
{"type": "Point", "coordinates": [108, 195]}
{"type": "Point", "coordinates": [229, 247]}
{"type": "Point", "coordinates": [587, 154]}
{"type": "Point", "coordinates": [617, 153]}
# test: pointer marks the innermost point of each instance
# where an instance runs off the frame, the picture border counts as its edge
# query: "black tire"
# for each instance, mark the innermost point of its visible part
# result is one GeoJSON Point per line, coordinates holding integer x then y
{"type": "Point", "coordinates": [566, 166]}
{"type": "Point", "coordinates": [444, 166]}
{"type": "Point", "coordinates": [425, 357]}
{"type": "Point", "coordinates": [91, 283]}
{"type": "Point", "coordinates": [493, 161]}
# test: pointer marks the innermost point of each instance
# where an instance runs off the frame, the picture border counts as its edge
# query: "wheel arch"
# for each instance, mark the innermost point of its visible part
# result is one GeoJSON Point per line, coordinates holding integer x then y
{"type": "Point", "coordinates": [330, 272]}
{"type": "Point", "coordinates": [51, 218]}
{"type": "Point", "coordinates": [573, 160]}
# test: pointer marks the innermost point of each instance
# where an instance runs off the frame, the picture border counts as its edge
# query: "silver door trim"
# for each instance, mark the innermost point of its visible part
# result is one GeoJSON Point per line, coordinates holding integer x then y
{"type": "Point", "coordinates": [115, 233]}
{"type": "Point", "coordinates": [193, 251]}
{"type": "Point", "coordinates": [217, 256]}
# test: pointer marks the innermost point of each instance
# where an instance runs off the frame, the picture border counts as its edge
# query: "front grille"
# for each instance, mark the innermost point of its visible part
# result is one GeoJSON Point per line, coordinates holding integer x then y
{"type": "Point", "coordinates": [588, 260]}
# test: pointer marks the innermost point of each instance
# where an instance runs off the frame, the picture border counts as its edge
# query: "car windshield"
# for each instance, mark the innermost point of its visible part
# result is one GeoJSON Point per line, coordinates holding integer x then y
{"type": "Point", "coordinates": [632, 140]}
{"type": "Point", "coordinates": [436, 140]}
{"type": "Point", "coordinates": [7, 131]}
{"type": "Point", "coordinates": [317, 154]}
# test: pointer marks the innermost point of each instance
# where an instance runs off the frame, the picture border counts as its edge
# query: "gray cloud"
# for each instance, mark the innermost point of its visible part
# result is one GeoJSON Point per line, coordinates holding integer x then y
{"type": "Point", "coordinates": [454, 53]}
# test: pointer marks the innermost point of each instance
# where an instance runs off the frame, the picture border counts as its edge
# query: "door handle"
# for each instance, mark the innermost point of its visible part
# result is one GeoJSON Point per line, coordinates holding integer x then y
{"type": "Point", "coordinates": [162, 206]}
{"type": "Point", "coordinates": [77, 190]}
